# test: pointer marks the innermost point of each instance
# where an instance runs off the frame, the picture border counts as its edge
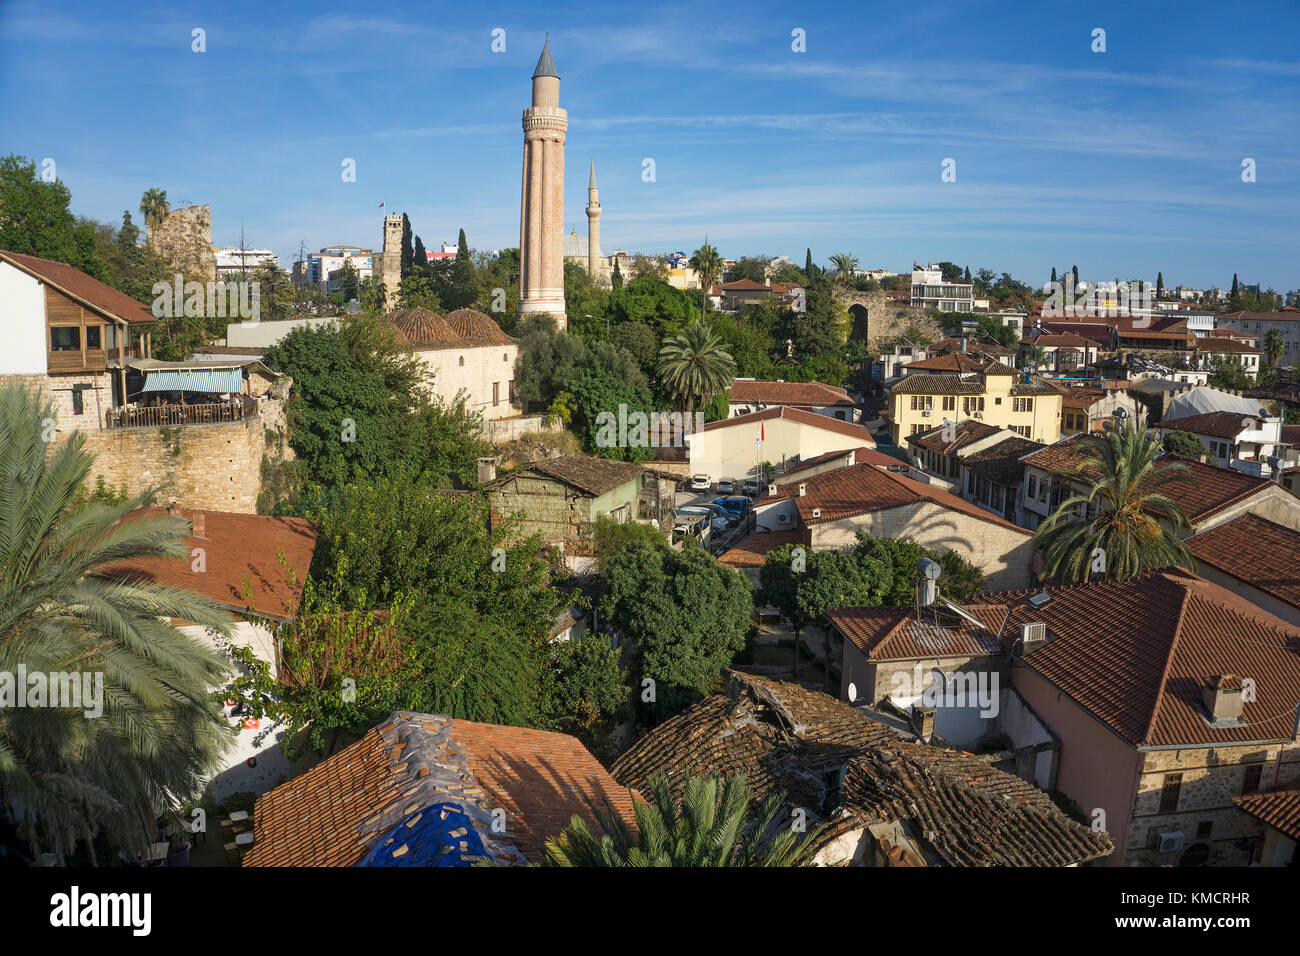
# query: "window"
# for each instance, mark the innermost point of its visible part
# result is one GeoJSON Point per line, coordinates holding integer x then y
{"type": "Point", "coordinates": [1170, 792]}
{"type": "Point", "coordinates": [65, 338]}
{"type": "Point", "coordinates": [950, 403]}
{"type": "Point", "coordinates": [496, 394]}
{"type": "Point", "coordinates": [505, 357]}
{"type": "Point", "coordinates": [1204, 827]}
{"type": "Point", "coordinates": [1250, 781]}
{"type": "Point", "coordinates": [78, 402]}
{"type": "Point", "coordinates": [1032, 490]}
{"type": "Point", "coordinates": [462, 360]}
{"type": "Point", "coordinates": [92, 337]}
{"type": "Point", "coordinates": [916, 402]}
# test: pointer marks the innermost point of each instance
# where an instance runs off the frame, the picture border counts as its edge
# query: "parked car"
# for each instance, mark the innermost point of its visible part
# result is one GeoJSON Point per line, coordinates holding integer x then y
{"type": "Point", "coordinates": [726, 486]}
{"type": "Point", "coordinates": [701, 483]}
{"type": "Point", "coordinates": [716, 517]}
{"type": "Point", "coordinates": [749, 487]}
{"type": "Point", "coordinates": [737, 506]}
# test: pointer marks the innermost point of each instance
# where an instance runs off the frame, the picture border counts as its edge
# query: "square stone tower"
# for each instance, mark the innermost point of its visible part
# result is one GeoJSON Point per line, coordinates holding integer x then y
{"type": "Point", "coordinates": [388, 264]}
{"type": "Point", "coordinates": [541, 207]}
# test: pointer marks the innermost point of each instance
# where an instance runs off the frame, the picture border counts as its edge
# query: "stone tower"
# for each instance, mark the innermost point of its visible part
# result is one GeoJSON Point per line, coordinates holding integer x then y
{"type": "Point", "coordinates": [593, 225]}
{"type": "Point", "coordinates": [388, 264]}
{"type": "Point", "coordinates": [541, 208]}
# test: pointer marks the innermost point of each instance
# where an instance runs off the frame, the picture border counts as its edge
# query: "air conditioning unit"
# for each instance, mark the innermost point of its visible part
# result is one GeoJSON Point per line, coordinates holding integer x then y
{"type": "Point", "coordinates": [925, 413]}
{"type": "Point", "coordinates": [1170, 841]}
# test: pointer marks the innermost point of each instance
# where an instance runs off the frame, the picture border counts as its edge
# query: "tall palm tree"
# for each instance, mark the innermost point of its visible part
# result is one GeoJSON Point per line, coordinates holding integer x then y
{"type": "Point", "coordinates": [846, 265]}
{"type": "Point", "coordinates": [712, 827]}
{"type": "Point", "coordinates": [707, 264]}
{"type": "Point", "coordinates": [1035, 355]}
{"type": "Point", "coordinates": [1112, 531]}
{"type": "Point", "coordinates": [694, 366]}
{"type": "Point", "coordinates": [1274, 345]}
{"type": "Point", "coordinates": [64, 609]}
{"type": "Point", "coordinates": [154, 206]}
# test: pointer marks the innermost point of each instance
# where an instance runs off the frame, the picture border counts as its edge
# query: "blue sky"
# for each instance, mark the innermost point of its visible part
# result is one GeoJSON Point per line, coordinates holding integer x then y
{"type": "Point", "coordinates": [1125, 162]}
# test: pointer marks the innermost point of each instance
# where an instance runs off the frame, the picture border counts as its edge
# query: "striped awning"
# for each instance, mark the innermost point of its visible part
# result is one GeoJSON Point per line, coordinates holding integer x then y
{"type": "Point", "coordinates": [216, 381]}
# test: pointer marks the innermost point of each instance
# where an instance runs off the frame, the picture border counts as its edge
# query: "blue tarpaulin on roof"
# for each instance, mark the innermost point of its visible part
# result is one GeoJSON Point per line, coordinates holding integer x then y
{"type": "Point", "coordinates": [215, 380]}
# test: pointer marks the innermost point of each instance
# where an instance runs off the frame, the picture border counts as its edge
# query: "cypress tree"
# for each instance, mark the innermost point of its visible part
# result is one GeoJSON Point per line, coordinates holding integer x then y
{"type": "Point", "coordinates": [1236, 289]}
{"type": "Point", "coordinates": [408, 254]}
{"type": "Point", "coordinates": [1160, 284]}
{"type": "Point", "coordinates": [966, 275]}
{"type": "Point", "coordinates": [808, 266]}
{"type": "Point", "coordinates": [1053, 275]}
{"type": "Point", "coordinates": [419, 257]}
{"type": "Point", "coordinates": [1075, 270]}
{"type": "Point", "coordinates": [462, 248]}
{"type": "Point", "coordinates": [616, 279]}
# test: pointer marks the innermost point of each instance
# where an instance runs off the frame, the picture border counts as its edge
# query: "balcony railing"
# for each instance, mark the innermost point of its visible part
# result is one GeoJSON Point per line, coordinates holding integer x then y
{"type": "Point", "coordinates": [171, 416]}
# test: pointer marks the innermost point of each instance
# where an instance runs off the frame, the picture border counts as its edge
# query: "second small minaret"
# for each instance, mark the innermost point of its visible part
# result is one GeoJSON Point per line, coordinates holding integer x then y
{"type": "Point", "coordinates": [593, 225]}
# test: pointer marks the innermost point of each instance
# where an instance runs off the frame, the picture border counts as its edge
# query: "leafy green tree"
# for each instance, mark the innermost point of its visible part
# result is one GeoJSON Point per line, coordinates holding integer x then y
{"type": "Point", "coordinates": [1112, 531]}
{"type": "Point", "coordinates": [67, 607]}
{"type": "Point", "coordinates": [707, 265]}
{"type": "Point", "coordinates": [598, 392]}
{"type": "Point", "coordinates": [753, 269]}
{"type": "Point", "coordinates": [1226, 373]}
{"type": "Point", "coordinates": [416, 291]}
{"type": "Point", "coordinates": [837, 579]}
{"type": "Point", "coordinates": [687, 615]}
{"type": "Point", "coordinates": [810, 271]}
{"type": "Point", "coordinates": [824, 326]}
{"type": "Point", "coordinates": [36, 219]}
{"type": "Point", "coordinates": [372, 294]}
{"type": "Point", "coordinates": [616, 277]}
{"type": "Point", "coordinates": [349, 281]}
{"type": "Point", "coordinates": [359, 403]}
{"type": "Point", "coordinates": [638, 340]}
{"type": "Point", "coordinates": [457, 283]}
{"type": "Point", "coordinates": [1183, 445]}
{"type": "Point", "coordinates": [419, 255]}
{"type": "Point", "coordinates": [275, 292]}
{"type": "Point", "coordinates": [748, 340]}
{"type": "Point", "coordinates": [654, 302]}
{"type": "Point", "coordinates": [407, 258]}
{"type": "Point", "coordinates": [779, 578]}
{"type": "Point", "coordinates": [959, 581]}
{"type": "Point", "coordinates": [694, 366]}
{"type": "Point", "coordinates": [714, 826]}
{"type": "Point", "coordinates": [548, 361]}
{"type": "Point", "coordinates": [591, 686]}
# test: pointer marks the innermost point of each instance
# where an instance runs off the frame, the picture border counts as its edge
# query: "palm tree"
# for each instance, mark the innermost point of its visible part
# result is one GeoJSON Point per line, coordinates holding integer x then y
{"type": "Point", "coordinates": [155, 206]}
{"type": "Point", "coordinates": [1112, 531]}
{"type": "Point", "coordinates": [712, 827]}
{"type": "Point", "coordinates": [708, 266]}
{"type": "Point", "coordinates": [64, 609]}
{"type": "Point", "coordinates": [694, 366]}
{"type": "Point", "coordinates": [1035, 355]}
{"type": "Point", "coordinates": [846, 265]}
{"type": "Point", "coordinates": [1274, 345]}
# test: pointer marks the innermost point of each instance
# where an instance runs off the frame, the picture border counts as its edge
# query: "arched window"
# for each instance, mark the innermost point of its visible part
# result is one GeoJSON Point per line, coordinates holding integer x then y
{"type": "Point", "coordinates": [462, 360]}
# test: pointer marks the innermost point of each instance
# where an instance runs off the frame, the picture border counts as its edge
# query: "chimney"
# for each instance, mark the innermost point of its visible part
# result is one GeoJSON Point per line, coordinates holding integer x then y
{"type": "Point", "coordinates": [771, 489]}
{"type": "Point", "coordinates": [923, 721]}
{"type": "Point", "coordinates": [487, 470]}
{"type": "Point", "coordinates": [803, 489]}
{"type": "Point", "coordinates": [1032, 637]}
{"type": "Point", "coordinates": [963, 343]}
{"type": "Point", "coordinates": [852, 459]}
{"type": "Point", "coordinates": [1222, 697]}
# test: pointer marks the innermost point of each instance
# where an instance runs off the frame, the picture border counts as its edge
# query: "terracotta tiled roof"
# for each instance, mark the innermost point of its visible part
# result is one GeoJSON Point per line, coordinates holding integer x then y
{"type": "Point", "coordinates": [420, 326]}
{"type": "Point", "coordinates": [1062, 456]}
{"type": "Point", "coordinates": [1291, 434]}
{"type": "Point", "coordinates": [1001, 463]}
{"type": "Point", "coordinates": [1214, 424]}
{"type": "Point", "coordinates": [792, 414]}
{"type": "Point", "coordinates": [1136, 654]}
{"type": "Point", "coordinates": [1227, 345]}
{"type": "Point", "coordinates": [1280, 809]}
{"type": "Point", "coordinates": [478, 327]}
{"type": "Point", "coordinates": [414, 765]}
{"type": "Point", "coordinates": [964, 432]}
{"type": "Point", "coordinates": [238, 551]}
{"type": "Point", "coordinates": [896, 633]}
{"type": "Point", "coordinates": [948, 362]}
{"type": "Point", "coordinates": [593, 475]}
{"type": "Point", "coordinates": [751, 551]}
{"type": "Point", "coordinates": [749, 391]}
{"type": "Point", "coordinates": [784, 738]}
{"type": "Point", "coordinates": [1187, 338]}
{"type": "Point", "coordinates": [973, 346]}
{"type": "Point", "coordinates": [1255, 551]}
{"type": "Point", "coordinates": [1065, 339]}
{"type": "Point", "coordinates": [862, 489]}
{"type": "Point", "coordinates": [930, 384]}
{"type": "Point", "coordinates": [91, 292]}
{"type": "Point", "coordinates": [868, 455]}
{"type": "Point", "coordinates": [743, 285]}
{"type": "Point", "coordinates": [1082, 397]}
{"type": "Point", "coordinates": [1286, 315]}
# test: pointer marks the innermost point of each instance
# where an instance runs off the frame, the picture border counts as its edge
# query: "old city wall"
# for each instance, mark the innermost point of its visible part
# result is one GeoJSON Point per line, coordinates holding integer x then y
{"type": "Point", "coordinates": [878, 318]}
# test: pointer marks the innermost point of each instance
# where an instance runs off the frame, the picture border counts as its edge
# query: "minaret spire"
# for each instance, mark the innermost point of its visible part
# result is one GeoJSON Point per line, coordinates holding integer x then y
{"type": "Point", "coordinates": [593, 225]}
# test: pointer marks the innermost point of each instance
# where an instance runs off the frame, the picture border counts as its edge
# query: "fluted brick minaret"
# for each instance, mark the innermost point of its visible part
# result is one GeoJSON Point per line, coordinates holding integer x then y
{"type": "Point", "coordinates": [541, 210]}
{"type": "Point", "coordinates": [593, 225]}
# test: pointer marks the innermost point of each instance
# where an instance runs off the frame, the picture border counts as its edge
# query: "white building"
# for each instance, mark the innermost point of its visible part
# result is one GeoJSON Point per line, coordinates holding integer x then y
{"type": "Point", "coordinates": [930, 291]}
{"type": "Point", "coordinates": [322, 268]}
{"type": "Point", "coordinates": [233, 261]}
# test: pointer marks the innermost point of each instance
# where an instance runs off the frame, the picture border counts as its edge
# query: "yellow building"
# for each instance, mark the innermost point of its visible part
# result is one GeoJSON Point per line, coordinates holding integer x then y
{"type": "Point", "coordinates": [997, 395]}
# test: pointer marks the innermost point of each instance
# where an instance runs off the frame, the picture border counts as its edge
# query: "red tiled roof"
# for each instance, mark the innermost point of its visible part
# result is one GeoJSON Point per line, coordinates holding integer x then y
{"type": "Point", "coordinates": [864, 488]}
{"type": "Point", "coordinates": [860, 455]}
{"type": "Point", "coordinates": [948, 362]}
{"type": "Point", "coordinates": [1227, 345]}
{"type": "Point", "coordinates": [964, 432]}
{"type": "Point", "coordinates": [464, 328]}
{"type": "Point", "coordinates": [1280, 809]}
{"type": "Point", "coordinates": [973, 346]}
{"type": "Point", "coordinates": [238, 551]}
{"type": "Point", "coordinates": [89, 291]}
{"type": "Point", "coordinates": [333, 814]}
{"type": "Point", "coordinates": [928, 383]}
{"type": "Point", "coordinates": [743, 285]}
{"type": "Point", "coordinates": [897, 633]}
{"type": "Point", "coordinates": [751, 551]}
{"type": "Point", "coordinates": [1064, 339]}
{"type": "Point", "coordinates": [478, 327]}
{"type": "Point", "coordinates": [1255, 551]}
{"type": "Point", "coordinates": [792, 414]}
{"type": "Point", "coordinates": [748, 391]}
{"type": "Point", "coordinates": [1291, 434]}
{"type": "Point", "coordinates": [587, 473]}
{"type": "Point", "coordinates": [1082, 397]}
{"type": "Point", "coordinates": [1214, 424]}
{"type": "Point", "coordinates": [1136, 654]}
{"type": "Point", "coordinates": [1288, 314]}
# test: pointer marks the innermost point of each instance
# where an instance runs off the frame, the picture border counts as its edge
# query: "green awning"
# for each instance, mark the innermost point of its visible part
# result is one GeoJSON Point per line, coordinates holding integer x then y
{"type": "Point", "coordinates": [216, 381]}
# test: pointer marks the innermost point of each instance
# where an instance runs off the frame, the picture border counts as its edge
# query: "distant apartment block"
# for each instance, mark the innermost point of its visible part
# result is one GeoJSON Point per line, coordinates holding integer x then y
{"type": "Point", "coordinates": [233, 261]}
{"type": "Point", "coordinates": [930, 291]}
{"type": "Point", "coordinates": [322, 268]}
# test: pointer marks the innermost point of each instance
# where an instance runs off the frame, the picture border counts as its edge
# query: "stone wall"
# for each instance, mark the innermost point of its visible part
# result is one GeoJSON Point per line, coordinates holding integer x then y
{"type": "Point", "coordinates": [885, 318]}
{"type": "Point", "coordinates": [184, 239]}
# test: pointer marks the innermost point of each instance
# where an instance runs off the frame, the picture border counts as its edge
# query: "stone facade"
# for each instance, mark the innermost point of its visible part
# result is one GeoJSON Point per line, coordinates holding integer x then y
{"type": "Point", "coordinates": [878, 319]}
{"type": "Point", "coordinates": [184, 239]}
{"type": "Point", "coordinates": [388, 264]}
{"type": "Point", "coordinates": [541, 209]}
